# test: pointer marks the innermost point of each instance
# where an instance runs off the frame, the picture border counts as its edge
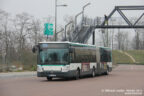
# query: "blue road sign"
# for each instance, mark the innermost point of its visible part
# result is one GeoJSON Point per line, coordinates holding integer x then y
{"type": "Point", "coordinates": [48, 29]}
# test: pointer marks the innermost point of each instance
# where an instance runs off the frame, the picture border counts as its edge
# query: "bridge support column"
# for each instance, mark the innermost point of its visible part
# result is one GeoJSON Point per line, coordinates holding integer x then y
{"type": "Point", "coordinates": [93, 38]}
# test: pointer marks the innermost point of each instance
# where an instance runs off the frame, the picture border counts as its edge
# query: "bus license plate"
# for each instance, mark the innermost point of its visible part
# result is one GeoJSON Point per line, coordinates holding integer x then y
{"type": "Point", "coordinates": [52, 75]}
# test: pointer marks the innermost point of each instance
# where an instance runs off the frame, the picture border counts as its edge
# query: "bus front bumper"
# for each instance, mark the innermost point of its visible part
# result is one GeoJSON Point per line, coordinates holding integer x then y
{"type": "Point", "coordinates": [56, 74]}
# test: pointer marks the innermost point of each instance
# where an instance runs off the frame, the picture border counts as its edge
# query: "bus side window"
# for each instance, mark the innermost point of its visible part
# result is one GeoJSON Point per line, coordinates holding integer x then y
{"type": "Point", "coordinates": [73, 57]}
{"type": "Point", "coordinates": [65, 57]}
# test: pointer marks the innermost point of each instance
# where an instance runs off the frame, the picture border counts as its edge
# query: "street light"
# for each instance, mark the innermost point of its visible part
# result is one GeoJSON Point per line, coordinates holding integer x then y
{"type": "Point", "coordinates": [64, 5]}
{"type": "Point", "coordinates": [83, 12]}
{"type": "Point", "coordinates": [66, 29]}
{"type": "Point", "coordinates": [76, 18]}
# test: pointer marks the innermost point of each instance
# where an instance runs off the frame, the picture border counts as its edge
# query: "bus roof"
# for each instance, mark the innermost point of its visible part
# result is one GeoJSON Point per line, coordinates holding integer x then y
{"type": "Point", "coordinates": [54, 42]}
{"type": "Point", "coordinates": [104, 47]}
{"type": "Point", "coordinates": [74, 44]}
{"type": "Point", "coordinates": [71, 43]}
{"type": "Point", "coordinates": [81, 45]}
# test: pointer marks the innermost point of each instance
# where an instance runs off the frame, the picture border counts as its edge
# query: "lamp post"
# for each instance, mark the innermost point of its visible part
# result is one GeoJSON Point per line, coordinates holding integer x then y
{"type": "Point", "coordinates": [76, 19]}
{"type": "Point", "coordinates": [83, 12]}
{"type": "Point", "coordinates": [64, 5]}
{"type": "Point", "coordinates": [66, 29]}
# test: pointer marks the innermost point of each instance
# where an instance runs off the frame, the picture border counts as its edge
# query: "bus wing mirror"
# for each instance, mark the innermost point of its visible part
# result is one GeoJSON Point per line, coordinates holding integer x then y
{"type": "Point", "coordinates": [34, 49]}
{"type": "Point", "coordinates": [71, 50]}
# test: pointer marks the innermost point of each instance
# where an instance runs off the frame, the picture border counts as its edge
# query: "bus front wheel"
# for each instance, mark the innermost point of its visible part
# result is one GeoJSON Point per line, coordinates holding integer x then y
{"type": "Point", "coordinates": [49, 78]}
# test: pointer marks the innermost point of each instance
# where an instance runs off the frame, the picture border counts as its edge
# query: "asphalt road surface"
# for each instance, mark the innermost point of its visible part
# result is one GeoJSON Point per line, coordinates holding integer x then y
{"type": "Point", "coordinates": [124, 80]}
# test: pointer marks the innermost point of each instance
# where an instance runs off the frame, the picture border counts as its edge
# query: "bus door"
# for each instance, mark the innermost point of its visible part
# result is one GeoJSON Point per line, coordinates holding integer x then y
{"type": "Point", "coordinates": [85, 68]}
{"type": "Point", "coordinates": [98, 71]}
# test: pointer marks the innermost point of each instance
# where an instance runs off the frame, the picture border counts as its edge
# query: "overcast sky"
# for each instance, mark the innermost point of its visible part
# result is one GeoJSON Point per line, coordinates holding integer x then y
{"type": "Point", "coordinates": [43, 8]}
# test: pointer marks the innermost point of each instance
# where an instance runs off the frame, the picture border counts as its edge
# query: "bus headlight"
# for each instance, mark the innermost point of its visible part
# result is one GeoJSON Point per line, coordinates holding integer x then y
{"type": "Point", "coordinates": [39, 68]}
{"type": "Point", "coordinates": [65, 68]}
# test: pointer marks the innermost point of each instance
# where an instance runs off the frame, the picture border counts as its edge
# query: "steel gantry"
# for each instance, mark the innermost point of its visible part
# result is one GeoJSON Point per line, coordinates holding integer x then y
{"type": "Point", "coordinates": [86, 31]}
{"type": "Point", "coordinates": [119, 9]}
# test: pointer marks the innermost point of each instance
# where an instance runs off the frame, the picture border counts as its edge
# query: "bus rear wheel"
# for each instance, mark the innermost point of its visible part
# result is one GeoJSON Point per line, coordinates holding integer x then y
{"type": "Point", "coordinates": [93, 72]}
{"type": "Point", "coordinates": [49, 78]}
{"type": "Point", "coordinates": [77, 75]}
{"type": "Point", "coordinates": [107, 71]}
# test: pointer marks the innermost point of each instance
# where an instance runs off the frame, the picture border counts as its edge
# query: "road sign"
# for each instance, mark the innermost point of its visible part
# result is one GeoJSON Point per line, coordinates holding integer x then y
{"type": "Point", "coordinates": [48, 29]}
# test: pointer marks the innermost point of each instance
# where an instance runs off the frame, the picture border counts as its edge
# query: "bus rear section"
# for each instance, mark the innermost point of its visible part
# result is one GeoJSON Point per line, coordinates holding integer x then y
{"type": "Point", "coordinates": [106, 59]}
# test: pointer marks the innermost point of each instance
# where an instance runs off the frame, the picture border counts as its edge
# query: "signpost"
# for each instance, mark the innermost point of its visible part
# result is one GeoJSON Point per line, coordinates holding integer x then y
{"type": "Point", "coordinates": [48, 29]}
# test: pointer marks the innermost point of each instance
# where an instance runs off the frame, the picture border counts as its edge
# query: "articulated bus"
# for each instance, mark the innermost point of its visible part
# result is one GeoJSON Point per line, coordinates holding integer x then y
{"type": "Point", "coordinates": [71, 60]}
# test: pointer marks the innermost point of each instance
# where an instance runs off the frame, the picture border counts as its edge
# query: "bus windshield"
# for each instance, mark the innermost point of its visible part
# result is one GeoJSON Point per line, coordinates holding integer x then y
{"type": "Point", "coordinates": [54, 56]}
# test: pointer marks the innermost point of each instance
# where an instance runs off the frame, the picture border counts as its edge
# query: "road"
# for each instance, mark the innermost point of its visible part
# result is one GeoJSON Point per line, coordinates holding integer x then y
{"type": "Point", "coordinates": [124, 80]}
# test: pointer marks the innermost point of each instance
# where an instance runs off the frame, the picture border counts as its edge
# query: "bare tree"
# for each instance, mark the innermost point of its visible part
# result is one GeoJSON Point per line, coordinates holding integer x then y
{"type": "Point", "coordinates": [70, 28]}
{"type": "Point", "coordinates": [17, 35]}
{"type": "Point", "coordinates": [22, 23]}
{"type": "Point", "coordinates": [5, 36]}
{"type": "Point", "coordinates": [142, 39]}
{"type": "Point", "coordinates": [138, 38]}
{"type": "Point", "coordinates": [35, 31]}
{"type": "Point", "coordinates": [122, 40]}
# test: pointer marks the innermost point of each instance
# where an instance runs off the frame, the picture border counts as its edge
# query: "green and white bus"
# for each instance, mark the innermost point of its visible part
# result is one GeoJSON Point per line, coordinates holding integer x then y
{"type": "Point", "coordinates": [71, 60]}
